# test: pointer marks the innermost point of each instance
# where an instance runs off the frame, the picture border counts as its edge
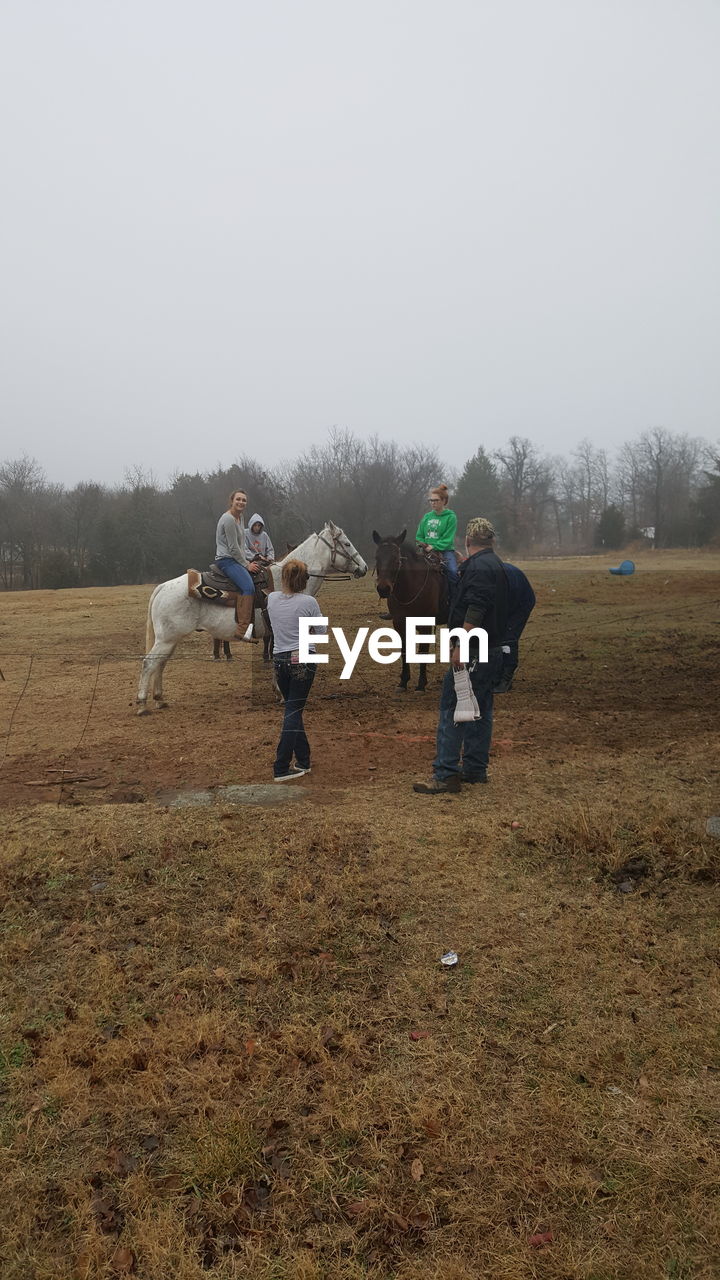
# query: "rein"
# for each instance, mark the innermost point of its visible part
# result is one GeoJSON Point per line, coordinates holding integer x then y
{"type": "Point", "coordinates": [336, 577]}
{"type": "Point", "coordinates": [423, 584]}
{"type": "Point", "coordinates": [419, 592]}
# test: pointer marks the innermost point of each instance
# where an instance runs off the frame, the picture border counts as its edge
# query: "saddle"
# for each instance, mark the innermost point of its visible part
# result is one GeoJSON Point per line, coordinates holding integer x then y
{"type": "Point", "coordinates": [435, 560]}
{"type": "Point", "coordinates": [213, 587]}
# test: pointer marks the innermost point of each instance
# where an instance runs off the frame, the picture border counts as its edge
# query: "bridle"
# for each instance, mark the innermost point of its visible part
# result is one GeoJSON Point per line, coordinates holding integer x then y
{"type": "Point", "coordinates": [336, 550]}
{"type": "Point", "coordinates": [393, 583]}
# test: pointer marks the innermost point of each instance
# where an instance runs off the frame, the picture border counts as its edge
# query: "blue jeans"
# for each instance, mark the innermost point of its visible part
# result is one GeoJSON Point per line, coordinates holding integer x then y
{"type": "Point", "coordinates": [450, 565]}
{"type": "Point", "coordinates": [509, 667]}
{"type": "Point", "coordinates": [295, 682]}
{"type": "Point", "coordinates": [238, 574]}
{"type": "Point", "coordinates": [465, 748]}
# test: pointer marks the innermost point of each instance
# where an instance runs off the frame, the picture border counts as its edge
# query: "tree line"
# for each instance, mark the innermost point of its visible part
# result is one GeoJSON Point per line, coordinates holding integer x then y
{"type": "Point", "coordinates": [662, 487]}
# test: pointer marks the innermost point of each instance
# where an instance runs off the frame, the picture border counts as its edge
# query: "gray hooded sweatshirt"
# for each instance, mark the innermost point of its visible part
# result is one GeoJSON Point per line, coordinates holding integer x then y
{"type": "Point", "coordinates": [257, 544]}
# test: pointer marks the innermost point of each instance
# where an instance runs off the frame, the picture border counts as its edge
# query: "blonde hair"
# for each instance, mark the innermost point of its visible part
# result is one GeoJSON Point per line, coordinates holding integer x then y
{"type": "Point", "coordinates": [479, 530]}
{"type": "Point", "coordinates": [440, 491]}
{"type": "Point", "coordinates": [295, 574]}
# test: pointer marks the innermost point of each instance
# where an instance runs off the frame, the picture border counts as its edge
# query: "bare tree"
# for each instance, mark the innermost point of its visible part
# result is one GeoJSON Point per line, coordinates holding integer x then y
{"type": "Point", "coordinates": [670, 470]}
{"type": "Point", "coordinates": [22, 493]}
{"type": "Point", "coordinates": [527, 487]}
{"type": "Point", "coordinates": [361, 485]}
{"type": "Point", "coordinates": [79, 512]}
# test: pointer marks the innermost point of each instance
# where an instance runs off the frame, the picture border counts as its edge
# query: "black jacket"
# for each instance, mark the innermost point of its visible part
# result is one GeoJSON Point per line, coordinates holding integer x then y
{"type": "Point", "coordinates": [481, 597]}
{"type": "Point", "coordinates": [521, 602]}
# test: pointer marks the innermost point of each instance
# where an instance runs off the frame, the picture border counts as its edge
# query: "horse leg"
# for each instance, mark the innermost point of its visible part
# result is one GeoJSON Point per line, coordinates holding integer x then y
{"type": "Point", "coordinates": [404, 668]}
{"type": "Point", "coordinates": [276, 687]}
{"type": "Point", "coordinates": [226, 650]}
{"type": "Point", "coordinates": [159, 673]}
{"type": "Point", "coordinates": [153, 664]}
{"type": "Point", "coordinates": [268, 637]}
{"type": "Point", "coordinates": [216, 649]}
{"type": "Point", "coordinates": [421, 685]}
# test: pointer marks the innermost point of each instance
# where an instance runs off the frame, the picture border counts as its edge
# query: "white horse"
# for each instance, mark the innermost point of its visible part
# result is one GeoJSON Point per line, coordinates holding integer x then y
{"type": "Point", "coordinates": [173, 614]}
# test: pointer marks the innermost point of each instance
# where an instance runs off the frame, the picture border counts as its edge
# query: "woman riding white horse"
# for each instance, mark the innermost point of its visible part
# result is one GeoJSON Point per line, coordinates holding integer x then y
{"type": "Point", "coordinates": [230, 558]}
{"type": "Point", "coordinates": [173, 614]}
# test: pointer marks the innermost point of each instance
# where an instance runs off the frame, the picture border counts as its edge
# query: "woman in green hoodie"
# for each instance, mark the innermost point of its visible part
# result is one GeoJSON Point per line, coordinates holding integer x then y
{"type": "Point", "coordinates": [437, 530]}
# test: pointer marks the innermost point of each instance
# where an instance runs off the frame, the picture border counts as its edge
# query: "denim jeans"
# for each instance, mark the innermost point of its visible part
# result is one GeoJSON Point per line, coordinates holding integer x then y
{"type": "Point", "coordinates": [466, 747]}
{"type": "Point", "coordinates": [509, 667]}
{"type": "Point", "coordinates": [451, 565]}
{"type": "Point", "coordinates": [238, 574]}
{"type": "Point", "coordinates": [294, 681]}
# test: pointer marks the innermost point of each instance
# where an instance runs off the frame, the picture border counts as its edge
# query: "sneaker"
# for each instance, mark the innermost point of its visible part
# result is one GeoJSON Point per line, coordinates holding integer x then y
{"type": "Point", "coordinates": [474, 777]}
{"type": "Point", "coordinates": [439, 786]}
{"type": "Point", "coordinates": [291, 773]}
{"type": "Point", "coordinates": [305, 768]}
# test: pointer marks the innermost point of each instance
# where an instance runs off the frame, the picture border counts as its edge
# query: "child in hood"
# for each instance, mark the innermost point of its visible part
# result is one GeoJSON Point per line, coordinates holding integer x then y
{"type": "Point", "coordinates": [257, 542]}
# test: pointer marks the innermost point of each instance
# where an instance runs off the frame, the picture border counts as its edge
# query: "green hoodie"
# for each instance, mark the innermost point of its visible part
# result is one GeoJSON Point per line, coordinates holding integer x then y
{"type": "Point", "coordinates": [438, 529]}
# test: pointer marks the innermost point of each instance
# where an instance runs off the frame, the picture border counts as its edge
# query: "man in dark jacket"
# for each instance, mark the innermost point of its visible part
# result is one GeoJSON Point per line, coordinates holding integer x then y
{"type": "Point", "coordinates": [480, 600]}
{"type": "Point", "coordinates": [521, 603]}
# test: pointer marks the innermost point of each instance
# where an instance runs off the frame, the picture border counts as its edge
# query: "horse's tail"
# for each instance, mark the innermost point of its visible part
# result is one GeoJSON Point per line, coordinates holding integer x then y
{"type": "Point", "coordinates": [149, 628]}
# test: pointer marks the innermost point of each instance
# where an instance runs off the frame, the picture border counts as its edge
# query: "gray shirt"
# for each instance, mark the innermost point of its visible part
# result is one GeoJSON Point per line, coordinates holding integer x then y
{"type": "Point", "coordinates": [284, 614]}
{"type": "Point", "coordinates": [230, 538]}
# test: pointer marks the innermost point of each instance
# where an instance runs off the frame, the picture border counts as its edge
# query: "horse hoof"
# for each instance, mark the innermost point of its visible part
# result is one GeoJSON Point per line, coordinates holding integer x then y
{"type": "Point", "coordinates": [144, 711]}
{"type": "Point", "coordinates": [420, 688]}
{"type": "Point", "coordinates": [161, 706]}
{"type": "Point", "coordinates": [401, 688]}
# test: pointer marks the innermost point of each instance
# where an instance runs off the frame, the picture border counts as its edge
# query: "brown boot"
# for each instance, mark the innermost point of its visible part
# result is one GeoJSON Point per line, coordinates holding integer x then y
{"type": "Point", "coordinates": [244, 613]}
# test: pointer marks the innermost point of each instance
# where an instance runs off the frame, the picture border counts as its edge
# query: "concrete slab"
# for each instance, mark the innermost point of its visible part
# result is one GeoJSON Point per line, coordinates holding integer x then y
{"type": "Point", "coordinates": [253, 793]}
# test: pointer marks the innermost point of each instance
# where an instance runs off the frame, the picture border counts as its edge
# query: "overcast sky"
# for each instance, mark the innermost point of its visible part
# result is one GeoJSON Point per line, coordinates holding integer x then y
{"type": "Point", "coordinates": [228, 225]}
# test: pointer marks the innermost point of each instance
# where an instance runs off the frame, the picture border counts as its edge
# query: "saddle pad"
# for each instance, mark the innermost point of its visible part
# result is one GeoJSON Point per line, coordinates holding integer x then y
{"type": "Point", "coordinates": [199, 590]}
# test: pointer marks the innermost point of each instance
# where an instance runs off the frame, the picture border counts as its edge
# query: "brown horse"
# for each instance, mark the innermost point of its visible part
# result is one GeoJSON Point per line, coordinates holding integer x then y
{"type": "Point", "coordinates": [414, 587]}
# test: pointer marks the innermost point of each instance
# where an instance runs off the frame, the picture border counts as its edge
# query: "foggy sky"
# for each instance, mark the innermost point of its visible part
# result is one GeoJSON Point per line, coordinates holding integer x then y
{"type": "Point", "coordinates": [230, 225]}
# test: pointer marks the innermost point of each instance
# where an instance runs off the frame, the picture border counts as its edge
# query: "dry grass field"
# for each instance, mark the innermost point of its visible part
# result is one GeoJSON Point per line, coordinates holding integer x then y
{"type": "Point", "coordinates": [227, 1046]}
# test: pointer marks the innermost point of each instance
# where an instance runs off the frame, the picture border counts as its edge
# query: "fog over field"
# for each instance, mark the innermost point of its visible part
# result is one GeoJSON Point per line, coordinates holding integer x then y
{"type": "Point", "coordinates": [228, 228]}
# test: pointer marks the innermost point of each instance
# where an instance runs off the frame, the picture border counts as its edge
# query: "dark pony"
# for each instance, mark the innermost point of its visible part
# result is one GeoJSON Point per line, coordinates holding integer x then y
{"type": "Point", "coordinates": [413, 587]}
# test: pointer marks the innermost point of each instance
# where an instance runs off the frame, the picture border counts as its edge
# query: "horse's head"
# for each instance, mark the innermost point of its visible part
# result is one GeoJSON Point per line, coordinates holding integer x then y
{"type": "Point", "coordinates": [387, 561]}
{"type": "Point", "coordinates": [345, 557]}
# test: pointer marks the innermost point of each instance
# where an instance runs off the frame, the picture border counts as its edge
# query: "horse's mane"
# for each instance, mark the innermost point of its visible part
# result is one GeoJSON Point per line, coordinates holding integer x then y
{"type": "Point", "coordinates": [410, 553]}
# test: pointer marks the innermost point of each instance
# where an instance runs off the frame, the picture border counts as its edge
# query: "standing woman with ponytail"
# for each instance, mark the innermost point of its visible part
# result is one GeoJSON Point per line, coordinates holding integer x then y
{"type": "Point", "coordinates": [437, 530]}
{"type": "Point", "coordinates": [294, 678]}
